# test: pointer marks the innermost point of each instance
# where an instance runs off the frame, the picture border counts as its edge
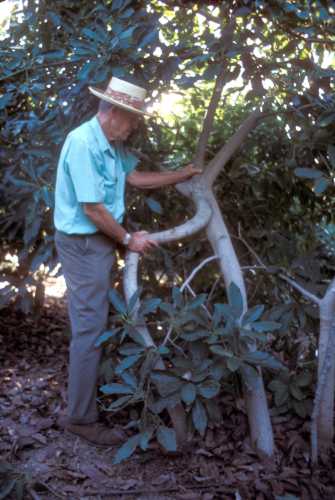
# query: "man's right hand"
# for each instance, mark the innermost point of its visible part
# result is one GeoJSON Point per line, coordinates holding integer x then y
{"type": "Point", "coordinates": [141, 242]}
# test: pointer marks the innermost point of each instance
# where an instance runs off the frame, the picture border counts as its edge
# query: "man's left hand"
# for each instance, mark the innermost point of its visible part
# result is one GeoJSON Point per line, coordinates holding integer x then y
{"type": "Point", "coordinates": [190, 170]}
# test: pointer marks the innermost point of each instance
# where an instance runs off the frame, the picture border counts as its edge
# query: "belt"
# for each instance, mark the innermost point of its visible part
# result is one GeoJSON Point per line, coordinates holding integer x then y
{"type": "Point", "coordinates": [79, 235]}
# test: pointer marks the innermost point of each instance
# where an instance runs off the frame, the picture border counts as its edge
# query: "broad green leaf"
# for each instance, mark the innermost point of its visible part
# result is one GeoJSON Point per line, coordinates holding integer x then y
{"type": "Point", "coordinates": [308, 173]}
{"type": "Point", "coordinates": [265, 326]}
{"type": "Point", "coordinates": [265, 359]}
{"type": "Point", "coordinates": [209, 389]}
{"type": "Point", "coordinates": [129, 349]}
{"type": "Point", "coordinates": [117, 301]}
{"type": "Point", "coordinates": [296, 392]}
{"type": "Point", "coordinates": [116, 389]}
{"type": "Point", "coordinates": [163, 350]}
{"type": "Point", "coordinates": [197, 302]}
{"type": "Point", "coordinates": [253, 314]}
{"type": "Point", "coordinates": [123, 400]}
{"type": "Point", "coordinates": [320, 185]}
{"type": "Point", "coordinates": [193, 336]}
{"type": "Point", "coordinates": [188, 393]}
{"type": "Point", "coordinates": [150, 305]}
{"type": "Point", "coordinates": [303, 379]}
{"type": "Point", "coordinates": [199, 417]}
{"type": "Point", "coordinates": [235, 299]}
{"type": "Point", "coordinates": [106, 336]}
{"type": "Point", "coordinates": [233, 364]}
{"type": "Point", "coordinates": [154, 205]}
{"type": "Point", "coordinates": [167, 438]}
{"type": "Point", "coordinates": [326, 119]}
{"type": "Point", "coordinates": [129, 379]}
{"type": "Point", "coordinates": [166, 383]}
{"type": "Point", "coordinates": [127, 449]}
{"type": "Point", "coordinates": [127, 363]}
{"type": "Point", "coordinates": [220, 351]}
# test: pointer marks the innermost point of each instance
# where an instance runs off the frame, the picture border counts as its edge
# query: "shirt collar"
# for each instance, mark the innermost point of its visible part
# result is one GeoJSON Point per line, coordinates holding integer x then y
{"type": "Point", "coordinates": [99, 134]}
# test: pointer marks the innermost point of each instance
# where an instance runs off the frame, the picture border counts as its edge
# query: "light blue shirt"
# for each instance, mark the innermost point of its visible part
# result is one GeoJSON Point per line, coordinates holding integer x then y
{"type": "Point", "coordinates": [90, 170]}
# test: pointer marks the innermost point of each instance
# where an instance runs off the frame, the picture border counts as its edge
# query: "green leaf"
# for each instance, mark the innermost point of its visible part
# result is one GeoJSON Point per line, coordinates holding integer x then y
{"type": "Point", "coordinates": [308, 173]}
{"type": "Point", "coordinates": [167, 438]}
{"type": "Point", "coordinates": [123, 400]}
{"type": "Point", "coordinates": [253, 314]}
{"type": "Point", "coordinates": [130, 349]}
{"type": "Point", "coordinates": [129, 379]}
{"type": "Point", "coordinates": [150, 305]}
{"type": "Point", "coordinates": [235, 299]}
{"type": "Point", "coordinates": [320, 185]}
{"type": "Point", "coordinates": [116, 389]}
{"type": "Point", "coordinates": [127, 363]}
{"type": "Point", "coordinates": [197, 302]}
{"type": "Point", "coordinates": [199, 417]}
{"type": "Point", "coordinates": [7, 489]}
{"type": "Point", "coordinates": [220, 351]}
{"type": "Point", "coordinates": [106, 336]}
{"type": "Point", "coordinates": [166, 383]}
{"type": "Point", "coordinates": [154, 205]}
{"type": "Point", "coordinates": [265, 326]}
{"type": "Point", "coordinates": [303, 379]}
{"type": "Point", "coordinates": [117, 301]}
{"type": "Point", "coordinates": [188, 393]}
{"type": "Point", "coordinates": [127, 449]}
{"type": "Point", "coordinates": [260, 358]}
{"type": "Point", "coordinates": [177, 296]}
{"type": "Point", "coordinates": [326, 119]}
{"type": "Point", "coordinates": [233, 364]}
{"type": "Point", "coordinates": [192, 336]}
{"type": "Point", "coordinates": [209, 389]}
{"type": "Point", "coordinates": [296, 392]}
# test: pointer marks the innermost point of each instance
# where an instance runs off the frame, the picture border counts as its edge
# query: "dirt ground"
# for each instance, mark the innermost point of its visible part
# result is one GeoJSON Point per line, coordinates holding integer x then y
{"type": "Point", "coordinates": [38, 461]}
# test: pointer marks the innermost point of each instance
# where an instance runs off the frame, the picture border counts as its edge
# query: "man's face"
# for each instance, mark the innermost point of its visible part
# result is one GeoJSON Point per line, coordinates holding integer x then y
{"type": "Point", "coordinates": [122, 123]}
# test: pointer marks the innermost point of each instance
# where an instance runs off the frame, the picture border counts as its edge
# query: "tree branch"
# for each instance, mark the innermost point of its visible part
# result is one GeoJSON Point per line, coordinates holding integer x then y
{"type": "Point", "coordinates": [199, 159]}
{"type": "Point", "coordinates": [301, 289]}
{"type": "Point", "coordinates": [226, 152]}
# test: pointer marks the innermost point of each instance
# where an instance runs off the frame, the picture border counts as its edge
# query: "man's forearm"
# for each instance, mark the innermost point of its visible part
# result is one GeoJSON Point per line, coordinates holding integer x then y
{"type": "Point", "coordinates": [104, 221]}
{"type": "Point", "coordinates": [152, 180]}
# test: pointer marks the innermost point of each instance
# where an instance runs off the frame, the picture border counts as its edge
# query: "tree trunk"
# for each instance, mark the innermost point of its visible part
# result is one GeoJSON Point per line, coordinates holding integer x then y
{"type": "Point", "coordinates": [325, 418]}
{"type": "Point", "coordinates": [256, 403]}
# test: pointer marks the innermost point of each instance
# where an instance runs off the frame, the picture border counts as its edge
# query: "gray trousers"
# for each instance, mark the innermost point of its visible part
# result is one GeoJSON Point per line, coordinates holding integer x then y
{"type": "Point", "coordinates": [87, 262]}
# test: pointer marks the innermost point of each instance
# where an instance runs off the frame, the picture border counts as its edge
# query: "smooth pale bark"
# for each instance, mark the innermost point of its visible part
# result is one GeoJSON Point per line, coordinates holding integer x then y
{"type": "Point", "coordinates": [322, 422]}
{"type": "Point", "coordinates": [324, 404]}
{"type": "Point", "coordinates": [255, 397]}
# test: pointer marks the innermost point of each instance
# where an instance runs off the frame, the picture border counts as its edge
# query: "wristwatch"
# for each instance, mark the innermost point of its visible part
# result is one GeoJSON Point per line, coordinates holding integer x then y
{"type": "Point", "coordinates": [126, 239]}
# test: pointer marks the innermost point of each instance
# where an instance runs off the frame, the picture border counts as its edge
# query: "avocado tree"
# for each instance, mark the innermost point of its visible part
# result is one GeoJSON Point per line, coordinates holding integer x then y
{"type": "Point", "coordinates": [276, 56]}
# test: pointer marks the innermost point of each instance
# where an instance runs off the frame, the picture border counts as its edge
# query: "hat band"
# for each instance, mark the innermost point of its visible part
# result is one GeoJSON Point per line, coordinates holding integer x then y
{"type": "Point", "coordinates": [125, 99]}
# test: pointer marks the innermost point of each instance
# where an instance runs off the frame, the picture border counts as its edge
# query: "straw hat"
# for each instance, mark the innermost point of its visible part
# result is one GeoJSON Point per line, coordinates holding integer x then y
{"type": "Point", "coordinates": [124, 95]}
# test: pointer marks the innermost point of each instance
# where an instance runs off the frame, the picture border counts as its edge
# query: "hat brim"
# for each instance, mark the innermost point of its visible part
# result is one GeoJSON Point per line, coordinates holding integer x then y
{"type": "Point", "coordinates": [101, 94]}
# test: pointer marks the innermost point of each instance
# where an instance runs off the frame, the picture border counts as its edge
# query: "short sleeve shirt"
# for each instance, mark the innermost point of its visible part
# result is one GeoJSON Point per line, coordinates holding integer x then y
{"type": "Point", "coordinates": [90, 170]}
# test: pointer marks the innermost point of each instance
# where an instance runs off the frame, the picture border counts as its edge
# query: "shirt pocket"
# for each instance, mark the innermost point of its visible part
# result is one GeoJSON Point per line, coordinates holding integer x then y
{"type": "Point", "coordinates": [110, 189]}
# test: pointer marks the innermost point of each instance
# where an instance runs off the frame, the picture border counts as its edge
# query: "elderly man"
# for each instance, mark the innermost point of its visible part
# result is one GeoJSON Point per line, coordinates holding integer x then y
{"type": "Point", "coordinates": [93, 168]}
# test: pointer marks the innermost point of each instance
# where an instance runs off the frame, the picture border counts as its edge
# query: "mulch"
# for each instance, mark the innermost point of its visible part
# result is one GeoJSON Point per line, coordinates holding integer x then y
{"type": "Point", "coordinates": [39, 461]}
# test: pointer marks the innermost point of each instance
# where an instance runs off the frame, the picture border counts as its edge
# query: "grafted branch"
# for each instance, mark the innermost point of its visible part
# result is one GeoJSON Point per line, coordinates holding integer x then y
{"type": "Point", "coordinates": [209, 119]}
{"type": "Point", "coordinates": [226, 152]}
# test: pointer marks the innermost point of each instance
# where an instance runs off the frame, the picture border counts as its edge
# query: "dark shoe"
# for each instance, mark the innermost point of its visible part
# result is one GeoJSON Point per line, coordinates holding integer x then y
{"type": "Point", "coordinates": [97, 434]}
